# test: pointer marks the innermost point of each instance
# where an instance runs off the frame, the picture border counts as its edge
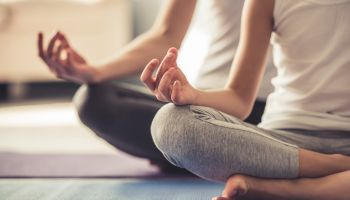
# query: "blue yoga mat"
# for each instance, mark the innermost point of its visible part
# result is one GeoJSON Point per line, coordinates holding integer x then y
{"type": "Point", "coordinates": [108, 189]}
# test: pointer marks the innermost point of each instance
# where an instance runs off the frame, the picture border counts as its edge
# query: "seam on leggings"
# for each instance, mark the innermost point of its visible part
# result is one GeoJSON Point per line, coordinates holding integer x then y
{"type": "Point", "coordinates": [241, 127]}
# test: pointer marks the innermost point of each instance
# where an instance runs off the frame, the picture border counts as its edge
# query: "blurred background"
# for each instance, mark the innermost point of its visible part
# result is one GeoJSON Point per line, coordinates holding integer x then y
{"type": "Point", "coordinates": [38, 123]}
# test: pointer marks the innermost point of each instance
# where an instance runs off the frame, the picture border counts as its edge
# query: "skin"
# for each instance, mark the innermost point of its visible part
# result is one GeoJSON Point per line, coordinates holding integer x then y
{"type": "Point", "coordinates": [246, 71]}
{"type": "Point", "coordinates": [321, 176]}
{"type": "Point", "coordinates": [170, 85]}
{"type": "Point", "coordinates": [332, 187]}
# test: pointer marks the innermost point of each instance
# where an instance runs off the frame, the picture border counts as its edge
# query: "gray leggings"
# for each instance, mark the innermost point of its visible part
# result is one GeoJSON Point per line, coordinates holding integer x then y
{"type": "Point", "coordinates": [122, 112]}
{"type": "Point", "coordinates": [215, 145]}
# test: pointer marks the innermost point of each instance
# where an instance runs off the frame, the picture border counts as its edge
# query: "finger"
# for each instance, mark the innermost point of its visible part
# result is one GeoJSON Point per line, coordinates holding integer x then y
{"type": "Point", "coordinates": [57, 69]}
{"type": "Point", "coordinates": [72, 54]}
{"type": "Point", "coordinates": [57, 62]}
{"type": "Point", "coordinates": [147, 74]}
{"type": "Point", "coordinates": [166, 83]}
{"type": "Point", "coordinates": [52, 45]}
{"type": "Point", "coordinates": [161, 98]}
{"type": "Point", "coordinates": [173, 50]}
{"type": "Point", "coordinates": [170, 58]}
{"type": "Point", "coordinates": [168, 61]}
{"type": "Point", "coordinates": [42, 53]}
{"type": "Point", "coordinates": [56, 56]}
{"type": "Point", "coordinates": [70, 64]}
{"type": "Point", "coordinates": [63, 39]}
{"type": "Point", "coordinates": [70, 60]}
{"type": "Point", "coordinates": [176, 92]}
{"type": "Point", "coordinates": [41, 45]}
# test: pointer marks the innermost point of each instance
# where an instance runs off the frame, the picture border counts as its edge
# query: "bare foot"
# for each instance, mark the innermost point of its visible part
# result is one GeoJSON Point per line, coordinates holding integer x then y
{"type": "Point", "coordinates": [236, 186]}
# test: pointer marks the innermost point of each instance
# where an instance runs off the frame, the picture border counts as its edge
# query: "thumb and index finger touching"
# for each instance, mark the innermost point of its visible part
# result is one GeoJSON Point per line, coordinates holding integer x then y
{"type": "Point", "coordinates": [47, 53]}
{"type": "Point", "coordinates": [147, 75]}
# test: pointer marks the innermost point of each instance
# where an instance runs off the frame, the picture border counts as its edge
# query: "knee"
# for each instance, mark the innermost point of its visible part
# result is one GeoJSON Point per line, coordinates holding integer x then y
{"type": "Point", "coordinates": [187, 140]}
{"type": "Point", "coordinates": [164, 128]}
{"type": "Point", "coordinates": [173, 133]}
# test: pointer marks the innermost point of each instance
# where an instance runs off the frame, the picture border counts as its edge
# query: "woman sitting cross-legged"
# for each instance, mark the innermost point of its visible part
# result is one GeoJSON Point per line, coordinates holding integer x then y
{"type": "Point", "coordinates": [301, 149]}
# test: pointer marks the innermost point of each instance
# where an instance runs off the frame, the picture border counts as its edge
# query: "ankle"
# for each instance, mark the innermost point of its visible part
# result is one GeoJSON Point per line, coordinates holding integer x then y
{"type": "Point", "coordinates": [256, 188]}
{"type": "Point", "coordinates": [252, 185]}
{"type": "Point", "coordinates": [243, 182]}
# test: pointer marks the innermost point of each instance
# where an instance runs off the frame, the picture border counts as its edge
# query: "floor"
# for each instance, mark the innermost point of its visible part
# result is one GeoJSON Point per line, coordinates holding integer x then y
{"type": "Point", "coordinates": [102, 189]}
{"type": "Point", "coordinates": [45, 153]}
{"type": "Point", "coordinates": [40, 126]}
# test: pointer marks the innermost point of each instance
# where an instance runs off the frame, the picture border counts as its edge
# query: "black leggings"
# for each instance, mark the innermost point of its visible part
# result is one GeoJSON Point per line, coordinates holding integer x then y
{"type": "Point", "coordinates": [121, 113]}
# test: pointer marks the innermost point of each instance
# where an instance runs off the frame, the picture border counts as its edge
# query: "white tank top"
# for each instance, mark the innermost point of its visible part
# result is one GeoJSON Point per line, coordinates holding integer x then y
{"type": "Point", "coordinates": [223, 21]}
{"type": "Point", "coordinates": [311, 50]}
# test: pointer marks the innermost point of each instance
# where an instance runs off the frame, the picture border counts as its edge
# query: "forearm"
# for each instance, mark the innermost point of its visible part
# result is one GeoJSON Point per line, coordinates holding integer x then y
{"type": "Point", "coordinates": [225, 100]}
{"type": "Point", "coordinates": [168, 30]}
{"type": "Point", "coordinates": [135, 55]}
{"type": "Point", "coordinates": [247, 70]}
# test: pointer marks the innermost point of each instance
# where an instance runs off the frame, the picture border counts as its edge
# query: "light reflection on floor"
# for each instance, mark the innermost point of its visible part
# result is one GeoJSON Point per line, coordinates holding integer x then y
{"type": "Point", "coordinates": [48, 127]}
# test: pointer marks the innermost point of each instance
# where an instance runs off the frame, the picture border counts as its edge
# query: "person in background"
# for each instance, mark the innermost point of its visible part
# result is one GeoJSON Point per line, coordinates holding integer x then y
{"type": "Point", "coordinates": [301, 149]}
{"type": "Point", "coordinates": [121, 113]}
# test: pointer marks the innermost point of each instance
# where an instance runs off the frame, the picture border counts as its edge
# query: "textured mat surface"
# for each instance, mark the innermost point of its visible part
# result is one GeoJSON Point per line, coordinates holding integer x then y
{"type": "Point", "coordinates": [107, 189]}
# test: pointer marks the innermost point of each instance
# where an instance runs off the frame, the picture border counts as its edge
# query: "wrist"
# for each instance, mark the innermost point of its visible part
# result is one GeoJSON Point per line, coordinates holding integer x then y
{"type": "Point", "coordinates": [96, 75]}
{"type": "Point", "coordinates": [196, 96]}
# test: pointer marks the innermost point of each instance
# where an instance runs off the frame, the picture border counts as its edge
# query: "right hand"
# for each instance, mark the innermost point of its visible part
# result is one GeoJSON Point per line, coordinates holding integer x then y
{"type": "Point", "coordinates": [169, 84]}
{"type": "Point", "coordinates": [65, 62]}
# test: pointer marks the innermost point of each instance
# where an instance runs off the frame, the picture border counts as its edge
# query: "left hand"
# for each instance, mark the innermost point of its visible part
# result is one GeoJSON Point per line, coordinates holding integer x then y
{"type": "Point", "coordinates": [169, 84]}
{"type": "Point", "coordinates": [65, 62]}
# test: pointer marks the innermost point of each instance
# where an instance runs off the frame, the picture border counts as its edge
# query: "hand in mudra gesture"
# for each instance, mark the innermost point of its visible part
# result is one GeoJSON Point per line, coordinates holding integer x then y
{"type": "Point", "coordinates": [64, 61]}
{"type": "Point", "coordinates": [169, 83]}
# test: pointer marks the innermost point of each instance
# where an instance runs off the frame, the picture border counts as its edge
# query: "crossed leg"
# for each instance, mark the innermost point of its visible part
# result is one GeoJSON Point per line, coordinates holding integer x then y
{"type": "Point", "coordinates": [331, 181]}
{"type": "Point", "coordinates": [216, 146]}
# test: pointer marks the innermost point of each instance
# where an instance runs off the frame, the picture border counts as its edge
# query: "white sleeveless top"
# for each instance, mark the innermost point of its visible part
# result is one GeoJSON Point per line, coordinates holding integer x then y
{"type": "Point", "coordinates": [223, 21]}
{"type": "Point", "coordinates": [311, 50]}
